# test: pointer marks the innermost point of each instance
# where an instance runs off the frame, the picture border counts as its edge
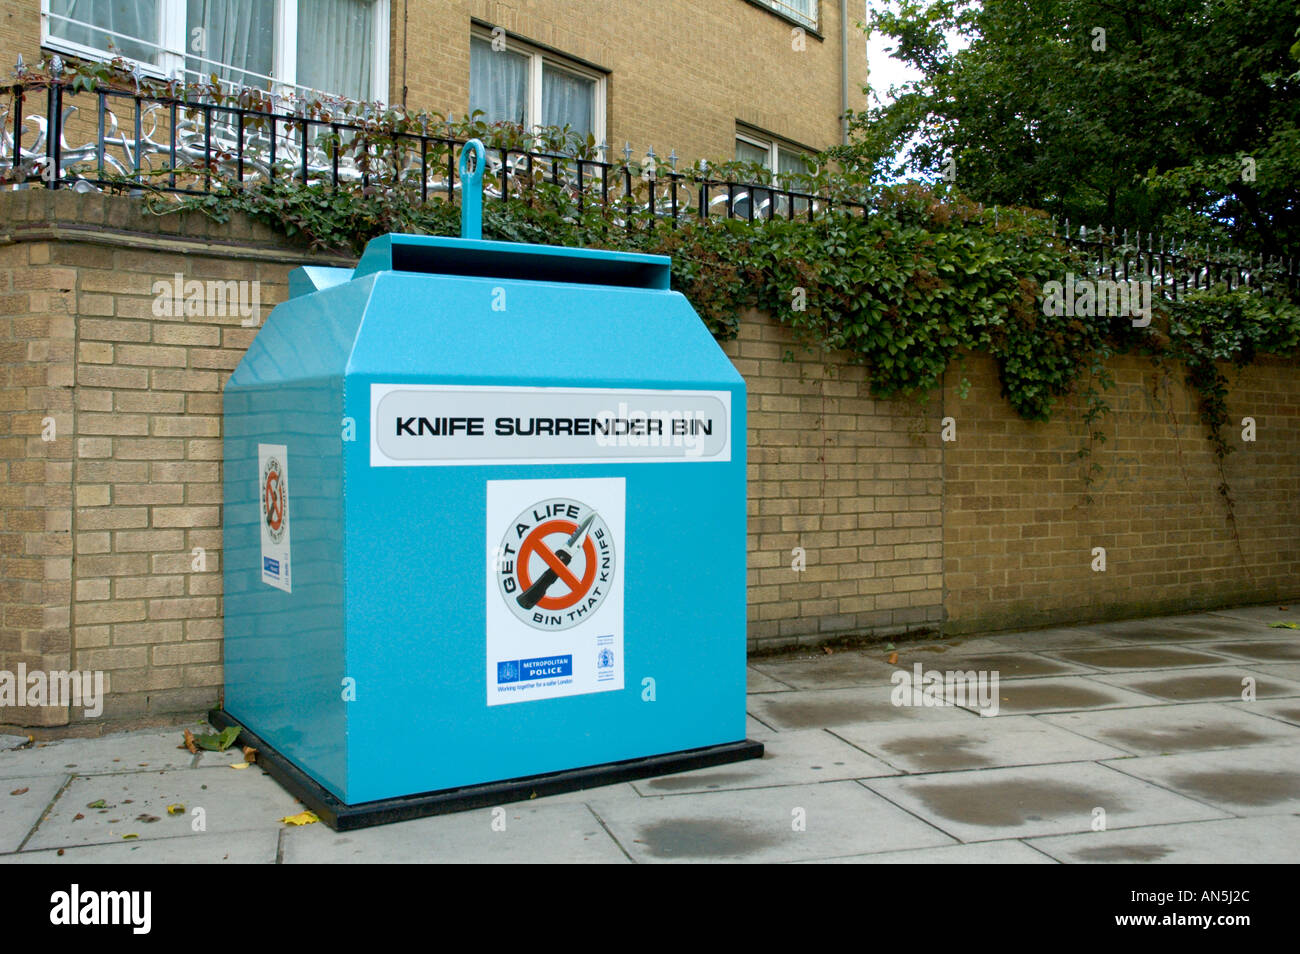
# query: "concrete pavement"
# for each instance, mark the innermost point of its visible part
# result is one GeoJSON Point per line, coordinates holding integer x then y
{"type": "Point", "coordinates": [1167, 740]}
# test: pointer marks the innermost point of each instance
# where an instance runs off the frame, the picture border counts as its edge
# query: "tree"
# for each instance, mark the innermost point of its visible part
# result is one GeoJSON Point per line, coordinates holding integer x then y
{"type": "Point", "coordinates": [1155, 114]}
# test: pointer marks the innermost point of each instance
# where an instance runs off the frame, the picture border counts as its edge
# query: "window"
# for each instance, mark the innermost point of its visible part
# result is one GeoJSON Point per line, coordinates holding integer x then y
{"type": "Point", "coordinates": [513, 82]}
{"type": "Point", "coordinates": [804, 11]}
{"type": "Point", "coordinates": [770, 154]}
{"type": "Point", "coordinates": [337, 47]}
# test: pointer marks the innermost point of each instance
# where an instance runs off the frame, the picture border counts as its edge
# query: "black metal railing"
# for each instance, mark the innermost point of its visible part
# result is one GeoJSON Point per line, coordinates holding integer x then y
{"type": "Point", "coordinates": [180, 146]}
{"type": "Point", "coordinates": [133, 140]}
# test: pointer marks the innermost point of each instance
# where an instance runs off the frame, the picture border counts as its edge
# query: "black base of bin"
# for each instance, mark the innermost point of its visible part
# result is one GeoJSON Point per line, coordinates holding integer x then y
{"type": "Point", "coordinates": [343, 817]}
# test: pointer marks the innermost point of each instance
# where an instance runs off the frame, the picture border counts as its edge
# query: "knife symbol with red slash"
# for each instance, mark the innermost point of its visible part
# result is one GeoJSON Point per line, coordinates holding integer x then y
{"type": "Point", "coordinates": [528, 599]}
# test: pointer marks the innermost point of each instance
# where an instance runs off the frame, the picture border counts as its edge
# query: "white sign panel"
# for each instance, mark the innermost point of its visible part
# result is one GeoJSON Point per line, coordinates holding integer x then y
{"type": "Point", "coordinates": [273, 493]}
{"type": "Point", "coordinates": [554, 588]}
{"type": "Point", "coordinates": [414, 425]}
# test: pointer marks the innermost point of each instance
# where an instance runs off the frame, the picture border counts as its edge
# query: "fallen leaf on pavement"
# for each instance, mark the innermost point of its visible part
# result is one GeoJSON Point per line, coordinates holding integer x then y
{"type": "Point", "coordinates": [78, 816]}
{"type": "Point", "coordinates": [1284, 625]}
{"type": "Point", "coordinates": [19, 791]}
{"type": "Point", "coordinates": [219, 742]}
{"type": "Point", "coordinates": [177, 809]}
{"type": "Point", "coordinates": [129, 837]}
{"type": "Point", "coordinates": [239, 765]}
{"type": "Point", "coordinates": [98, 803]}
{"type": "Point", "coordinates": [893, 658]}
{"type": "Point", "coordinates": [189, 742]}
{"type": "Point", "coordinates": [146, 818]}
{"type": "Point", "coordinates": [250, 754]}
{"type": "Point", "coordinates": [302, 818]}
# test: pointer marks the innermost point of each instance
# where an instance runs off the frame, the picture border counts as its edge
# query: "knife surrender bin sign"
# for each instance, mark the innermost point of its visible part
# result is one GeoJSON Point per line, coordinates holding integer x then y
{"type": "Point", "coordinates": [484, 529]}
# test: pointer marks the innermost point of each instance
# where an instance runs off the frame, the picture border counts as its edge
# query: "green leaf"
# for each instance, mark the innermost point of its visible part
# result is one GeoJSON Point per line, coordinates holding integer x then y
{"type": "Point", "coordinates": [218, 743]}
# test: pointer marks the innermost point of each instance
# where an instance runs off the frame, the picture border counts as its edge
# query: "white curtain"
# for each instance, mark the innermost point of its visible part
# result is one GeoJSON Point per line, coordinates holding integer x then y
{"type": "Point", "coordinates": [136, 20]}
{"type": "Point", "coordinates": [498, 83]}
{"type": "Point", "coordinates": [568, 99]}
{"type": "Point", "coordinates": [235, 40]}
{"type": "Point", "coordinates": [748, 152]}
{"type": "Point", "coordinates": [336, 47]}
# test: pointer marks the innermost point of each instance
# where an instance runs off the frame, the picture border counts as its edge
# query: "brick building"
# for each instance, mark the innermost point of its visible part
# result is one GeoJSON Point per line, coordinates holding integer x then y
{"type": "Point", "coordinates": [763, 80]}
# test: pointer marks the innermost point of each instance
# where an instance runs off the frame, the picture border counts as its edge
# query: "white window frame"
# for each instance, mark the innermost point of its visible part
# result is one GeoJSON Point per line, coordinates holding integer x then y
{"type": "Point", "coordinates": [790, 13]}
{"type": "Point", "coordinates": [172, 47]}
{"type": "Point", "coordinates": [773, 148]}
{"type": "Point", "coordinates": [537, 59]}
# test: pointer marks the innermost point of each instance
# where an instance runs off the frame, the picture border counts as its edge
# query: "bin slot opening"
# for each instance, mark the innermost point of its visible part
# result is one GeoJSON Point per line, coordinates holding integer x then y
{"type": "Point", "coordinates": [501, 260]}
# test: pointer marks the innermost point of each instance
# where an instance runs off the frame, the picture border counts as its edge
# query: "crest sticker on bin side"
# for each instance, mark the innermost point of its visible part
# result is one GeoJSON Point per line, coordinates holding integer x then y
{"type": "Point", "coordinates": [273, 498]}
{"type": "Point", "coordinates": [555, 601]}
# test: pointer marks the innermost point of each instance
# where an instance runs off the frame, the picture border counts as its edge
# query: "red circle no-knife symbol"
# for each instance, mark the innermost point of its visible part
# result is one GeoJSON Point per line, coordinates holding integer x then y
{"type": "Point", "coordinates": [274, 500]}
{"type": "Point", "coordinates": [547, 541]}
{"type": "Point", "coordinates": [555, 565]}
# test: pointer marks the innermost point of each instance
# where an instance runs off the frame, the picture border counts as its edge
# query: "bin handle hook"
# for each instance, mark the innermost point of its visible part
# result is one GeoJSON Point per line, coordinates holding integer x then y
{"type": "Point", "coordinates": [471, 190]}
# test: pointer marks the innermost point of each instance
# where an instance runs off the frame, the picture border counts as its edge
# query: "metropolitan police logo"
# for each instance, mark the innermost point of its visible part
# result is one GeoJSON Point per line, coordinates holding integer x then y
{"type": "Point", "coordinates": [556, 564]}
{"type": "Point", "coordinates": [275, 500]}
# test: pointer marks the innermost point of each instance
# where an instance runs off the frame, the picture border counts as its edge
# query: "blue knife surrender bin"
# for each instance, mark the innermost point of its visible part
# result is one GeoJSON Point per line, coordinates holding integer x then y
{"type": "Point", "coordinates": [484, 528]}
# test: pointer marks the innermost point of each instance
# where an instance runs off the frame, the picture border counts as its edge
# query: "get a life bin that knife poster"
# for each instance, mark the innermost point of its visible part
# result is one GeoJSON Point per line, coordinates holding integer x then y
{"type": "Point", "coordinates": [484, 528]}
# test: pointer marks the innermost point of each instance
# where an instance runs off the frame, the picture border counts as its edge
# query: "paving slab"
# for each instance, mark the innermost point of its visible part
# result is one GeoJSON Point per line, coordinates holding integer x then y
{"type": "Point", "coordinates": [231, 800]}
{"type": "Point", "coordinates": [828, 708]}
{"type": "Point", "coordinates": [1281, 670]}
{"type": "Point", "coordinates": [838, 670]}
{"type": "Point", "coordinates": [1272, 840]}
{"type": "Point", "coordinates": [256, 847]}
{"type": "Point", "coordinates": [1166, 729]}
{"type": "Point", "coordinates": [522, 833]}
{"type": "Point", "coordinates": [1285, 710]}
{"type": "Point", "coordinates": [984, 743]}
{"type": "Point", "coordinates": [1200, 685]}
{"type": "Point", "coordinates": [1033, 800]}
{"type": "Point", "coordinates": [20, 810]}
{"type": "Point", "coordinates": [761, 825]}
{"type": "Point", "coordinates": [1196, 627]}
{"type": "Point", "coordinates": [757, 681]}
{"type": "Point", "coordinates": [1027, 696]}
{"type": "Point", "coordinates": [1007, 665]}
{"type": "Point", "coordinates": [959, 645]}
{"type": "Point", "coordinates": [756, 730]}
{"type": "Point", "coordinates": [1263, 613]}
{"type": "Point", "coordinates": [150, 749]}
{"type": "Point", "coordinates": [1141, 657]}
{"type": "Point", "coordinates": [1257, 780]}
{"type": "Point", "coordinates": [790, 758]}
{"type": "Point", "coordinates": [979, 853]}
{"type": "Point", "coordinates": [1271, 650]}
{"type": "Point", "coordinates": [1048, 640]}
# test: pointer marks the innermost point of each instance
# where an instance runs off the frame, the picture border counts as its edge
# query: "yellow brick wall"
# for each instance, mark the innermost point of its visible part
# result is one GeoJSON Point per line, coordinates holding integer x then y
{"type": "Point", "coordinates": [1019, 531]}
{"type": "Point", "coordinates": [852, 481]}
